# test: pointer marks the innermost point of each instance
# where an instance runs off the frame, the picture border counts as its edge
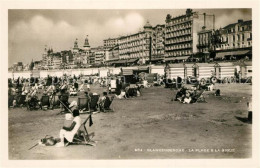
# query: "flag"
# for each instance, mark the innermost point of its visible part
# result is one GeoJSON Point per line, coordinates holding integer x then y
{"type": "Point", "coordinates": [90, 121]}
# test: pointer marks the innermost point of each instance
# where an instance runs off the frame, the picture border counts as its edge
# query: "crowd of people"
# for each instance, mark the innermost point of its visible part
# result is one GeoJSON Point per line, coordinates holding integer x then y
{"type": "Point", "coordinates": [52, 92]}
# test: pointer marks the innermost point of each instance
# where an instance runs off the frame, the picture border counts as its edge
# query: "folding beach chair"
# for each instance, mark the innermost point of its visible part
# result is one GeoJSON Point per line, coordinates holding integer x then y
{"type": "Point", "coordinates": [131, 92]}
{"type": "Point", "coordinates": [10, 100]}
{"type": "Point", "coordinates": [21, 100]}
{"type": "Point", "coordinates": [64, 102]}
{"type": "Point", "coordinates": [55, 103]}
{"type": "Point", "coordinates": [83, 104]}
{"type": "Point", "coordinates": [45, 102]}
{"type": "Point", "coordinates": [33, 104]}
{"type": "Point", "coordinates": [94, 102]}
{"type": "Point", "coordinates": [83, 137]}
{"type": "Point", "coordinates": [105, 106]}
{"type": "Point", "coordinates": [200, 97]}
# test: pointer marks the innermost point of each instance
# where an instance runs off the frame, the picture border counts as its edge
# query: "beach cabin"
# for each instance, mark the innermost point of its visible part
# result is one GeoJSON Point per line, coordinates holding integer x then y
{"type": "Point", "coordinates": [114, 71]}
{"type": "Point", "coordinates": [87, 72]}
{"type": "Point", "coordinates": [103, 72]}
{"type": "Point", "coordinates": [172, 71]}
{"type": "Point", "coordinates": [128, 70]}
{"type": "Point", "coordinates": [246, 69]}
{"type": "Point", "coordinates": [35, 73]}
{"type": "Point", "coordinates": [128, 73]}
{"type": "Point", "coordinates": [43, 74]}
{"type": "Point", "coordinates": [95, 71]}
{"type": "Point", "coordinates": [157, 70]}
{"type": "Point", "coordinates": [24, 74]}
{"type": "Point", "coordinates": [10, 75]}
{"type": "Point", "coordinates": [76, 72]}
{"type": "Point", "coordinates": [67, 72]}
{"type": "Point", "coordinates": [188, 70]}
{"type": "Point", "coordinates": [224, 70]}
{"type": "Point", "coordinates": [203, 70]}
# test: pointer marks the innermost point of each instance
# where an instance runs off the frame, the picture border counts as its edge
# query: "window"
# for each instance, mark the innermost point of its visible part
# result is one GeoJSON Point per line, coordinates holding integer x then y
{"type": "Point", "coordinates": [243, 37]}
{"type": "Point", "coordinates": [234, 38]}
{"type": "Point", "coordinates": [243, 28]}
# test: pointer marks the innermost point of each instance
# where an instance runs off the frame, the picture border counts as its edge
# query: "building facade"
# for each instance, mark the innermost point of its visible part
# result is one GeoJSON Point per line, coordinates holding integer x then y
{"type": "Point", "coordinates": [98, 55]}
{"type": "Point", "coordinates": [77, 57]}
{"type": "Point", "coordinates": [235, 36]}
{"type": "Point", "coordinates": [110, 43]}
{"type": "Point", "coordinates": [234, 41]}
{"type": "Point", "coordinates": [158, 40]}
{"type": "Point", "coordinates": [181, 37]}
{"type": "Point", "coordinates": [204, 41]}
{"type": "Point", "coordinates": [136, 45]}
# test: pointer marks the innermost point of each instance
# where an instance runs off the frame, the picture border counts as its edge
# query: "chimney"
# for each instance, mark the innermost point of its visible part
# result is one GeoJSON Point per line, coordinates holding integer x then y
{"type": "Point", "coordinates": [204, 20]}
{"type": "Point", "coordinates": [240, 20]}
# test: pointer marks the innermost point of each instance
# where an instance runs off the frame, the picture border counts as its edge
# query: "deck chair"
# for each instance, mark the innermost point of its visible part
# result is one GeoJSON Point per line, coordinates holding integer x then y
{"type": "Point", "coordinates": [200, 97]}
{"type": "Point", "coordinates": [10, 100]}
{"type": "Point", "coordinates": [45, 102]}
{"type": "Point", "coordinates": [131, 92]}
{"type": "Point", "coordinates": [21, 100]}
{"type": "Point", "coordinates": [83, 137]}
{"type": "Point", "coordinates": [33, 104]}
{"type": "Point", "coordinates": [83, 104]}
{"type": "Point", "coordinates": [64, 101]}
{"type": "Point", "coordinates": [55, 103]}
{"type": "Point", "coordinates": [94, 102]}
{"type": "Point", "coordinates": [105, 107]}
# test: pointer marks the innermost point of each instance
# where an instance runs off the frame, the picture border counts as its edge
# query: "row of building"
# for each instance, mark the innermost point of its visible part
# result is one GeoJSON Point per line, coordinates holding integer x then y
{"type": "Point", "coordinates": [186, 37]}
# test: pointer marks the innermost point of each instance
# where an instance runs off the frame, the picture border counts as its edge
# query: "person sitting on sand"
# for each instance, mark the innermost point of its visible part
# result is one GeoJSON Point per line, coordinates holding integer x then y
{"type": "Point", "coordinates": [68, 133]}
{"type": "Point", "coordinates": [102, 101]}
{"type": "Point", "coordinates": [121, 95]}
{"type": "Point", "coordinates": [187, 98]}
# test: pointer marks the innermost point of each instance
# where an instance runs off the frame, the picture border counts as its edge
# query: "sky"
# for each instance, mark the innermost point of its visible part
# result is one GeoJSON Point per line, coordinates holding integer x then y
{"type": "Point", "coordinates": [30, 30]}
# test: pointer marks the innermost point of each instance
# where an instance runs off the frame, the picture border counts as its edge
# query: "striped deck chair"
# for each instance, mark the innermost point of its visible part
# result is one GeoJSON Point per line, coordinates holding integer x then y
{"type": "Point", "coordinates": [200, 97]}
{"type": "Point", "coordinates": [83, 137]}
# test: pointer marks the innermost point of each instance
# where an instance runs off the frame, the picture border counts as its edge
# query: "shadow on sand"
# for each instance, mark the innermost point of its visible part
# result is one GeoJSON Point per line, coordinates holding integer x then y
{"type": "Point", "coordinates": [244, 119]}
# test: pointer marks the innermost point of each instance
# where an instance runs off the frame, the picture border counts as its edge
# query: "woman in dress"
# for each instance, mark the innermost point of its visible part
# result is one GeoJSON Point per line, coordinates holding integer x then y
{"type": "Point", "coordinates": [68, 133]}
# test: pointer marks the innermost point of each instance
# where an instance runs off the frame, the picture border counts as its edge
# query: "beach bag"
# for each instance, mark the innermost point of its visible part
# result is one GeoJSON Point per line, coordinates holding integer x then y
{"type": "Point", "coordinates": [48, 141]}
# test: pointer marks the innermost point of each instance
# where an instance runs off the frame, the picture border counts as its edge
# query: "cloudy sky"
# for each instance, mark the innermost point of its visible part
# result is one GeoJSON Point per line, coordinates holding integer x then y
{"type": "Point", "coordinates": [30, 30]}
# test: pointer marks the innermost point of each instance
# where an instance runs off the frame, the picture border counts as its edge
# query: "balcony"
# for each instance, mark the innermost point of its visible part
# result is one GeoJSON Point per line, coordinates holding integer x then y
{"type": "Point", "coordinates": [202, 45]}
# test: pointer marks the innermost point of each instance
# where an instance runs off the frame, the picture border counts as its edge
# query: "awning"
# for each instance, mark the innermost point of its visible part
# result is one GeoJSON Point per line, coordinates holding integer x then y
{"type": "Point", "coordinates": [176, 58]}
{"type": "Point", "coordinates": [132, 60]}
{"type": "Point", "coordinates": [176, 65]}
{"type": "Point", "coordinates": [127, 71]}
{"type": "Point", "coordinates": [119, 62]}
{"type": "Point", "coordinates": [232, 53]}
{"type": "Point", "coordinates": [143, 68]}
{"type": "Point", "coordinates": [112, 60]}
{"type": "Point", "coordinates": [156, 59]}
